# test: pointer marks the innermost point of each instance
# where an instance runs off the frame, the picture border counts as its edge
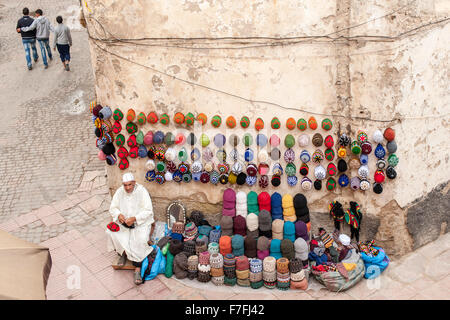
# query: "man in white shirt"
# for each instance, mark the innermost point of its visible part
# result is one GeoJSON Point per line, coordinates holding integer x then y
{"type": "Point", "coordinates": [131, 208]}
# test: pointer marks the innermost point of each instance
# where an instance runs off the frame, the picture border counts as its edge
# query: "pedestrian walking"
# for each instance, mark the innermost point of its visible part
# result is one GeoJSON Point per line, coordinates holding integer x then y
{"type": "Point", "coordinates": [28, 37]}
{"type": "Point", "coordinates": [63, 41]}
{"type": "Point", "coordinates": [43, 27]}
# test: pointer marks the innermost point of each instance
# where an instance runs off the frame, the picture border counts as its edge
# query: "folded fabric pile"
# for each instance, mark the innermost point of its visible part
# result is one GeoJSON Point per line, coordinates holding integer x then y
{"type": "Point", "coordinates": [317, 252]}
{"type": "Point", "coordinates": [275, 248]}
{"type": "Point", "coordinates": [241, 204]}
{"type": "Point", "coordinates": [213, 247]}
{"type": "Point", "coordinates": [264, 201]}
{"type": "Point", "coordinates": [252, 203]}
{"type": "Point", "coordinates": [298, 277]}
{"type": "Point", "coordinates": [225, 245]}
{"type": "Point", "coordinates": [201, 244]}
{"type": "Point", "coordinates": [239, 226]}
{"type": "Point", "coordinates": [180, 265]}
{"type": "Point", "coordinates": [237, 243]}
{"type": "Point", "coordinates": [177, 230]}
{"type": "Point", "coordinates": [287, 249]}
{"type": "Point", "coordinates": [276, 207]}
{"type": "Point", "coordinates": [190, 231]}
{"type": "Point", "coordinates": [287, 202]}
{"type": "Point", "coordinates": [252, 225]}
{"type": "Point", "coordinates": [301, 208]}
{"type": "Point", "coordinates": [301, 230]}
{"type": "Point", "coordinates": [229, 203]}
{"type": "Point", "coordinates": [301, 251]}
{"type": "Point", "coordinates": [270, 272]}
{"type": "Point", "coordinates": [229, 269]}
{"type": "Point", "coordinates": [250, 247]}
{"type": "Point", "coordinates": [262, 247]}
{"type": "Point", "coordinates": [283, 275]}
{"type": "Point", "coordinates": [242, 271]}
{"type": "Point", "coordinates": [217, 274]}
{"type": "Point", "coordinates": [204, 268]}
{"type": "Point", "coordinates": [226, 225]}
{"type": "Point", "coordinates": [256, 273]}
{"type": "Point", "coordinates": [214, 235]}
{"type": "Point", "coordinates": [265, 223]}
{"type": "Point", "coordinates": [189, 248]}
{"type": "Point", "coordinates": [192, 267]}
{"type": "Point", "coordinates": [289, 230]}
{"type": "Point", "coordinates": [277, 229]}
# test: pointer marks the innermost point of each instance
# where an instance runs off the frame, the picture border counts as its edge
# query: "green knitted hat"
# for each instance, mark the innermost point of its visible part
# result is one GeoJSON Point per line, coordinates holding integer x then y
{"type": "Point", "coordinates": [327, 124]}
{"type": "Point", "coordinates": [331, 184]}
{"type": "Point", "coordinates": [252, 198]}
{"type": "Point", "coordinates": [131, 127]}
{"type": "Point", "coordinates": [189, 119]}
{"type": "Point", "coordinates": [120, 140]}
{"type": "Point", "coordinates": [141, 119]}
{"type": "Point", "coordinates": [248, 139]}
{"type": "Point", "coordinates": [118, 115]}
{"type": "Point", "coordinates": [329, 154]}
{"type": "Point", "coordinates": [302, 124]}
{"type": "Point", "coordinates": [216, 121]}
{"type": "Point", "coordinates": [290, 169]}
{"type": "Point", "coordinates": [275, 123]}
{"type": "Point", "coordinates": [169, 139]}
{"type": "Point", "coordinates": [204, 140]}
{"type": "Point", "coordinates": [164, 119]}
{"type": "Point", "coordinates": [245, 122]}
{"type": "Point", "coordinates": [140, 137]}
{"type": "Point", "coordinates": [289, 141]}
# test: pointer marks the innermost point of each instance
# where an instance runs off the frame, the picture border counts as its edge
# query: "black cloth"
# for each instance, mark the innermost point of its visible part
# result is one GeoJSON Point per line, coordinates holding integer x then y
{"type": "Point", "coordinates": [26, 21]}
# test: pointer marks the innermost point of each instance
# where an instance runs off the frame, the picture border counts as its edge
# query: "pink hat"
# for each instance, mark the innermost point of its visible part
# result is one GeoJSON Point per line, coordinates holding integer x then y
{"type": "Point", "coordinates": [229, 212]}
{"type": "Point", "coordinates": [274, 140]}
{"type": "Point", "coordinates": [180, 139]}
{"type": "Point", "coordinates": [229, 195]}
{"type": "Point", "coordinates": [148, 138]}
{"type": "Point", "coordinates": [262, 254]}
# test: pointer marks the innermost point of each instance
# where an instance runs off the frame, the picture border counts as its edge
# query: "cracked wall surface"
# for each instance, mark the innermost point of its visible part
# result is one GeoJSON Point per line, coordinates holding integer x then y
{"type": "Point", "coordinates": [398, 74]}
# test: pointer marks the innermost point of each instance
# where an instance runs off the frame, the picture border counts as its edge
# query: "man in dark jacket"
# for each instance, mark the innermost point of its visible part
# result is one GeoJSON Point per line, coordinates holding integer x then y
{"type": "Point", "coordinates": [28, 37]}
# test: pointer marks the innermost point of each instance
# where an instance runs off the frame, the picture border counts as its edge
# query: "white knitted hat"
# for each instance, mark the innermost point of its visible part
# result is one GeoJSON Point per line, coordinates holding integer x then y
{"type": "Point", "coordinates": [252, 222]}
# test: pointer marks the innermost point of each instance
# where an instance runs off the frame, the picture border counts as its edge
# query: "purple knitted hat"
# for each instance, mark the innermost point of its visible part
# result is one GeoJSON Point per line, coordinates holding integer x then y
{"type": "Point", "coordinates": [229, 195]}
{"type": "Point", "coordinates": [239, 225]}
{"type": "Point", "coordinates": [301, 230]}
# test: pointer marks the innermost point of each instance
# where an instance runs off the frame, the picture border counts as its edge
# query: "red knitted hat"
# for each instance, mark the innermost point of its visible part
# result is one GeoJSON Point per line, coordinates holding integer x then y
{"type": "Point", "coordinates": [225, 245]}
{"type": "Point", "coordinates": [263, 198]}
{"type": "Point", "coordinates": [134, 152]}
{"type": "Point", "coordinates": [131, 142]}
{"type": "Point", "coordinates": [123, 164]}
{"type": "Point", "coordinates": [122, 153]}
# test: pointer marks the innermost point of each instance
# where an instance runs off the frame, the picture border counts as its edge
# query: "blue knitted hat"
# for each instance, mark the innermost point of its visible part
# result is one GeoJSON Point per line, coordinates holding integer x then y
{"type": "Point", "coordinates": [343, 180]}
{"type": "Point", "coordinates": [214, 235]}
{"type": "Point", "coordinates": [289, 230]}
{"type": "Point", "coordinates": [248, 155]}
{"type": "Point", "coordinates": [275, 200]}
{"type": "Point", "coordinates": [275, 248]}
{"type": "Point", "coordinates": [158, 137]}
{"type": "Point", "coordinates": [204, 230]}
{"type": "Point", "coordinates": [142, 152]}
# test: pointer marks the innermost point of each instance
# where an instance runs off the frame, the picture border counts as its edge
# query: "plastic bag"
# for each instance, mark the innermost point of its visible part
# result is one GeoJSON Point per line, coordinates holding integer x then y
{"type": "Point", "coordinates": [161, 230]}
{"type": "Point", "coordinates": [158, 266]}
{"type": "Point", "coordinates": [375, 265]}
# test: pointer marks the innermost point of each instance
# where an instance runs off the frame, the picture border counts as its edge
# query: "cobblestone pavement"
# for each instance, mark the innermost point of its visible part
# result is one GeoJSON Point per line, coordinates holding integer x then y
{"type": "Point", "coordinates": [54, 192]}
{"type": "Point", "coordinates": [45, 135]}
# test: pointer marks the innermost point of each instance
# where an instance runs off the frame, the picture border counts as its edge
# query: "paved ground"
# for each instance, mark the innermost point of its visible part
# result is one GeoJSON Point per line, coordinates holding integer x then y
{"type": "Point", "coordinates": [45, 127]}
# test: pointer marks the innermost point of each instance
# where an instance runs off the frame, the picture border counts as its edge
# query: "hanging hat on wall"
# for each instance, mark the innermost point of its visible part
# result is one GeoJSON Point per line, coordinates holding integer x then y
{"type": "Point", "coordinates": [150, 176]}
{"type": "Point", "coordinates": [327, 124]}
{"type": "Point", "coordinates": [120, 140]}
{"type": "Point", "coordinates": [234, 155]}
{"type": "Point", "coordinates": [312, 122]}
{"type": "Point", "coordinates": [306, 183]}
{"type": "Point", "coordinates": [393, 160]}
{"type": "Point", "coordinates": [111, 159]}
{"type": "Point", "coordinates": [134, 152]}
{"type": "Point", "coordinates": [290, 123]}
{"type": "Point", "coordinates": [354, 163]}
{"type": "Point", "coordinates": [289, 156]}
{"type": "Point", "coordinates": [319, 172]}
{"type": "Point", "coordinates": [165, 120]}
{"type": "Point", "coordinates": [152, 117]}
{"type": "Point", "coordinates": [379, 176]}
{"type": "Point", "coordinates": [317, 156]}
{"type": "Point", "coordinates": [275, 154]}
{"type": "Point", "coordinates": [329, 141]}
{"type": "Point", "coordinates": [389, 134]}
{"type": "Point", "coordinates": [366, 148]}
{"type": "Point", "coordinates": [131, 127]}
{"type": "Point", "coordinates": [180, 139]}
{"type": "Point", "coordinates": [331, 184]}
{"type": "Point", "coordinates": [364, 185]}
{"type": "Point", "coordinates": [363, 171]}
{"type": "Point", "coordinates": [329, 154]}
{"type": "Point", "coordinates": [331, 169]}
{"type": "Point", "coordinates": [234, 140]}
{"type": "Point", "coordinates": [302, 124]}
{"type": "Point", "coordinates": [277, 169]}
{"type": "Point", "coordinates": [142, 152]}
{"type": "Point", "coordinates": [261, 140]}
{"type": "Point", "coordinates": [377, 136]}
{"type": "Point", "coordinates": [381, 164]}
{"type": "Point", "coordinates": [189, 119]}
{"type": "Point", "coordinates": [158, 137]}
{"type": "Point", "coordinates": [361, 136]}
{"type": "Point", "coordinates": [274, 140]}
{"type": "Point", "coordinates": [364, 159]}
{"type": "Point", "coordinates": [305, 156]}
{"type": "Point", "coordinates": [241, 178]}
{"type": "Point", "coordinates": [290, 169]}
{"type": "Point", "coordinates": [259, 124]}
{"type": "Point", "coordinates": [221, 155]}
{"type": "Point", "coordinates": [207, 154]}
{"type": "Point", "coordinates": [303, 140]}
{"type": "Point", "coordinates": [245, 122]}
{"type": "Point", "coordinates": [232, 178]}
{"type": "Point", "coordinates": [318, 184]}
{"type": "Point", "coordinates": [355, 147]}
{"type": "Point", "coordinates": [263, 169]}
{"type": "Point", "coordinates": [317, 139]}
{"type": "Point", "coordinates": [275, 123]}
{"type": "Point", "coordinates": [391, 146]}
{"type": "Point", "coordinates": [289, 141]}
{"type": "Point", "coordinates": [355, 183]}
{"type": "Point", "coordinates": [123, 164]}
{"type": "Point", "coordinates": [131, 115]}
{"type": "Point", "coordinates": [141, 118]}
{"type": "Point", "coordinates": [342, 165]}
{"type": "Point", "coordinates": [117, 114]}
{"type": "Point", "coordinates": [276, 180]}
{"type": "Point", "coordinates": [219, 140]}
{"type": "Point", "coordinates": [191, 139]}
{"type": "Point", "coordinates": [377, 188]}
{"type": "Point", "coordinates": [169, 139]}
{"type": "Point", "coordinates": [304, 169]}
{"type": "Point", "coordinates": [248, 155]}
{"type": "Point", "coordinates": [343, 180]}
{"type": "Point", "coordinates": [379, 151]}
{"type": "Point", "coordinates": [117, 127]}
{"type": "Point", "coordinates": [263, 181]}
{"type": "Point", "coordinates": [391, 173]}
{"type": "Point", "coordinates": [292, 181]}
{"type": "Point", "coordinates": [202, 118]}
{"type": "Point", "coordinates": [344, 140]}
{"type": "Point", "coordinates": [342, 152]}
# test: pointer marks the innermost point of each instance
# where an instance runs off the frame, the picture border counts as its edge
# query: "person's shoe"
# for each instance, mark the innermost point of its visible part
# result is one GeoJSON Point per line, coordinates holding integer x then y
{"type": "Point", "coordinates": [36, 60]}
{"type": "Point", "coordinates": [30, 67]}
{"type": "Point", "coordinates": [46, 66]}
{"type": "Point", "coordinates": [67, 67]}
{"type": "Point", "coordinates": [51, 58]}
{"type": "Point", "coordinates": [122, 260]}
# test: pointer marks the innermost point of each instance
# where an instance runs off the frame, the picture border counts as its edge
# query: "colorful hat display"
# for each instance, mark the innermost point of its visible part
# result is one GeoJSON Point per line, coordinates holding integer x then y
{"type": "Point", "coordinates": [331, 169]}
{"type": "Point", "coordinates": [180, 139]}
{"type": "Point", "coordinates": [277, 169]}
{"type": "Point", "coordinates": [342, 152]}
{"type": "Point", "coordinates": [131, 115]}
{"type": "Point", "coordinates": [389, 134]}
{"type": "Point", "coordinates": [343, 180]}
{"type": "Point", "coordinates": [317, 156]}
{"type": "Point", "coordinates": [275, 123]}
{"type": "Point", "coordinates": [152, 117]}
{"type": "Point", "coordinates": [317, 140]}
{"type": "Point", "coordinates": [327, 124]}
{"type": "Point", "coordinates": [393, 160]}
{"type": "Point", "coordinates": [356, 147]}
{"type": "Point", "coordinates": [133, 152]}
{"type": "Point", "coordinates": [202, 118]}
{"type": "Point", "coordinates": [195, 154]}
{"type": "Point", "coordinates": [290, 169]}
{"type": "Point", "coordinates": [302, 124]}
{"type": "Point", "coordinates": [274, 140]}
{"type": "Point", "coordinates": [150, 176]}
{"type": "Point", "coordinates": [329, 141]}
{"type": "Point", "coordinates": [263, 181]}
{"type": "Point", "coordinates": [354, 162]}
{"type": "Point", "coordinates": [231, 122]}
{"type": "Point", "coordinates": [245, 122]}
{"type": "Point", "coordinates": [117, 127]}
{"type": "Point", "coordinates": [121, 153]}
{"type": "Point", "coordinates": [142, 152]}
{"type": "Point", "coordinates": [131, 127]}
{"type": "Point", "coordinates": [259, 124]}
{"type": "Point", "coordinates": [216, 121]}
{"type": "Point", "coordinates": [305, 156]}
{"type": "Point", "coordinates": [221, 155]}
{"type": "Point", "coordinates": [362, 136]}
{"type": "Point", "coordinates": [363, 171]}
{"type": "Point", "coordinates": [123, 164]}
{"type": "Point", "coordinates": [292, 181]}
{"type": "Point", "coordinates": [364, 185]}
{"type": "Point", "coordinates": [366, 147]}
{"type": "Point", "coordinates": [178, 118]}
{"type": "Point", "coordinates": [329, 154]}
{"type": "Point", "coordinates": [131, 142]}
{"type": "Point", "coordinates": [303, 140]}
{"type": "Point", "coordinates": [290, 123]}
{"type": "Point", "coordinates": [158, 137]}
{"type": "Point", "coordinates": [189, 119]}
{"type": "Point", "coordinates": [117, 115]}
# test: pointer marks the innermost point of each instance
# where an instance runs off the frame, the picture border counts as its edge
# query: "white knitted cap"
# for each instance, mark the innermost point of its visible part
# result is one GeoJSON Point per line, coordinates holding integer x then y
{"type": "Point", "coordinates": [252, 222]}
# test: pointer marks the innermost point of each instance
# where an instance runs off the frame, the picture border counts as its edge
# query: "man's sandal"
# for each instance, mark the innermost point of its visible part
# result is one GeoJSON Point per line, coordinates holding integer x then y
{"type": "Point", "coordinates": [137, 278]}
{"type": "Point", "coordinates": [122, 260]}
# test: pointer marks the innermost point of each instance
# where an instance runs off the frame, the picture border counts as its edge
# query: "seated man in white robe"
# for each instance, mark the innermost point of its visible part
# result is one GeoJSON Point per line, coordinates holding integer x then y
{"type": "Point", "coordinates": [131, 208]}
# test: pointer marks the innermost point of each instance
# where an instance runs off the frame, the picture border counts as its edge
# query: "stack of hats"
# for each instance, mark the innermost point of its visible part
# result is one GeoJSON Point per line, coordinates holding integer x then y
{"type": "Point", "coordinates": [225, 245]}
{"type": "Point", "coordinates": [283, 275]}
{"type": "Point", "coordinates": [237, 243]}
{"type": "Point", "coordinates": [252, 224]}
{"type": "Point", "coordinates": [250, 247]}
{"type": "Point", "coordinates": [204, 268]}
{"type": "Point", "coordinates": [298, 278]}
{"type": "Point", "coordinates": [276, 208]}
{"type": "Point", "coordinates": [265, 223]}
{"type": "Point", "coordinates": [180, 265]}
{"type": "Point", "coordinates": [301, 230]}
{"type": "Point", "coordinates": [252, 203]}
{"type": "Point", "coordinates": [301, 251]}
{"type": "Point", "coordinates": [189, 248]}
{"type": "Point", "coordinates": [215, 234]}
{"type": "Point", "coordinates": [192, 267]}
{"type": "Point", "coordinates": [190, 231]}
{"type": "Point", "coordinates": [277, 229]}
{"type": "Point", "coordinates": [287, 249]}
{"type": "Point", "coordinates": [262, 246]}
{"type": "Point", "coordinates": [287, 202]}
{"type": "Point", "coordinates": [201, 244]}
{"type": "Point", "coordinates": [177, 230]}
{"type": "Point", "coordinates": [270, 272]}
{"type": "Point", "coordinates": [213, 247]}
{"type": "Point", "coordinates": [229, 269]}
{"type": "Point", "coordinates": [241, 204]}
{"type": "Point", "coordinates": [217, 275]}
{"type": "Point", "coordinates": [275, 248]}
{"type": "Point", "coordinates": [242, 271]}
{"type": "Point", "coordinates": [226, 225]}
{"type": "Point", "coordinates": [289, 230]}
{"type": "Point", "coordinates": [264, 201]}
{"type": "Point", "coordinates": [301, 207]}
{"type": "Point", "coordinates": [229, 203]}
{"type": "Point", "coordinates": [176, 246]}
{"type": "Point", "coordinates": [239, 226]}
{"type": "Point", "coordinates": [256, 273]}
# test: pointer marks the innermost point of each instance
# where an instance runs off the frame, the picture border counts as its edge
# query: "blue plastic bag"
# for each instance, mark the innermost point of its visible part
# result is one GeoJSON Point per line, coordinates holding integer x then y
{"type": "Point", "coordinates": [158, 266]}
{"type": "Point", "coordinates": [375, 265]}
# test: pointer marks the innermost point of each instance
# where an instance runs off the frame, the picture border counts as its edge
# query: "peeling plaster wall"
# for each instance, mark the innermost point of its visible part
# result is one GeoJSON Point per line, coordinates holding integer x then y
{"type": "Point", "coordinates": [405, 77]}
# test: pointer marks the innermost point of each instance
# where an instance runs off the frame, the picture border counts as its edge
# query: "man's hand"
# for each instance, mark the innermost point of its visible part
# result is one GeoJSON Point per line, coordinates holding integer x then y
{"type": "Point", "coordinates": [129, 222]}
{"type": "Point", "coordinates": [18, 30]}
{"type": "Point", "coordinates": [121, 218]}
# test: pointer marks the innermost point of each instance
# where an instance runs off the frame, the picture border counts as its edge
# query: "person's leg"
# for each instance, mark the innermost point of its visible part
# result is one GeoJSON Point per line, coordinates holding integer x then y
{"type": "Point", "coordinates": [137, 272]}
{"type": "Point", "coordinates": [47, 46]}
{"type": "Point", "coordinates": [67, 57]}
{"type": "Point", "coordinates": [44, 55]}
{"type": "Point", "coordinates": [33, 48]}
{"type": "Point", "coordinates": [26, 46]}
{"type": "Point", "coordinates": [61, 54]}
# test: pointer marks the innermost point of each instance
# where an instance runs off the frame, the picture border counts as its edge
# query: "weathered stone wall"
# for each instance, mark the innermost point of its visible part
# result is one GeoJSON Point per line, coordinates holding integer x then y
{"type": "Point", "coordinates": [381, 78]}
